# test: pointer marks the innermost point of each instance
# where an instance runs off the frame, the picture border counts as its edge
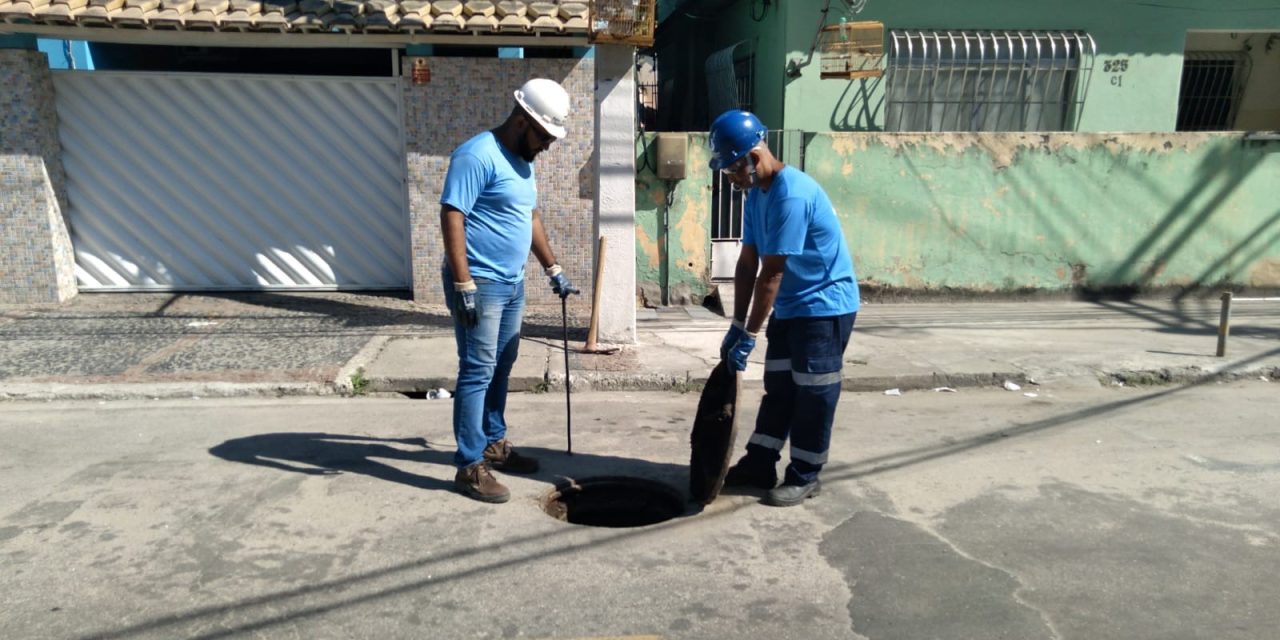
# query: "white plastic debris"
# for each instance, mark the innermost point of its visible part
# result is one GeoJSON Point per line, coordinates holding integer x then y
{"type": "Point", "coordinates": [439, 394]}
{"type": "Point", "coordinates": [1031, 395]}
{"type": "Point", "coordinates": [893, 392]}
{"type": "Point", "coordinates": [201, 323]}
{"type": "Point", "coordinates": [1011, 386]}
{"type": "Point", "coordinates": [1264, 378]}
{"type": "Point", "coordinates": [944, 390]}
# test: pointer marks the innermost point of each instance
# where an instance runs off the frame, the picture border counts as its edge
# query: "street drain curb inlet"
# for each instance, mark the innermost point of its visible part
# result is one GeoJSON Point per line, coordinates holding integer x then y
{"type": "Point", "coordinates": [613, 501]}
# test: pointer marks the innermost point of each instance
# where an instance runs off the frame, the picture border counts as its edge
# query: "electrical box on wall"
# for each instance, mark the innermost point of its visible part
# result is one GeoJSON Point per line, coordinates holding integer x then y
{"type": "Point", "coordinates": [673, 154]}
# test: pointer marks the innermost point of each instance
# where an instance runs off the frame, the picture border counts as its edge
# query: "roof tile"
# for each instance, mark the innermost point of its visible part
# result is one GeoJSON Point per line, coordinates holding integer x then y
{"type": "Point", "coordinates": [237, 19]}
{"type": "Point", "coordinates": [550, 17]}
{"type": "Point", "coordinates": [167, 19]}
{"type": "Point", "coordinates": [446, 7]}
{"type": "Point", "coordinates": [478, 8]}
{"type": "Point", "coordinates": [539, 9]}
{"type": "Point", "coordinates": [513, 24]}
{"type": "Point", "coordinates": [95, 15]}
{"type": "Point", "coordinates": [482, 23]}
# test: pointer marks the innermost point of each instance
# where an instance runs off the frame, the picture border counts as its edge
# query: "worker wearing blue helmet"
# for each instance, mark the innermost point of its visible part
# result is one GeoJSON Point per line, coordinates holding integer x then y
{"type": "Point", "coordinates": [795, 271]}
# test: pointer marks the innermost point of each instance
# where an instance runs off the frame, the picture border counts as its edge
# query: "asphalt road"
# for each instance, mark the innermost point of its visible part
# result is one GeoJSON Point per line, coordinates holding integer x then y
{"type": "Point", "coordinates": [1078, 513]}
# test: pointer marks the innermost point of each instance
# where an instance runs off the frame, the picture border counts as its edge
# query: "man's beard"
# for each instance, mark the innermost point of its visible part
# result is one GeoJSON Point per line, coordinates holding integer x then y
{"type": "Point", "coordinates": [526, 150]}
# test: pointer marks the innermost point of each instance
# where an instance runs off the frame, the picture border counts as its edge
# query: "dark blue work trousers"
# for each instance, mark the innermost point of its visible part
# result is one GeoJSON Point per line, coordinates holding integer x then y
{"type": "Point", "coordinates": [802, 376]}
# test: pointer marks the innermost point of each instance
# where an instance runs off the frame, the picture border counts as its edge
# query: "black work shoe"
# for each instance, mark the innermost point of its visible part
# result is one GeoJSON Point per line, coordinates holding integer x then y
{"type": "Point", "coordinates": [790, 495]}
{"type": "Point", "coordinates": [749, 474]}
{"type": "Point", "coordinates": [477, 481]}
{"type": "Point", "coordinates": [503, 457]}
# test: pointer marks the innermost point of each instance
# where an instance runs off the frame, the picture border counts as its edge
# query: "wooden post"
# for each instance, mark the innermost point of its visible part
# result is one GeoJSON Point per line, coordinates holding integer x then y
{"type": "Point", "coordinates": [1224, 324]}
{"type": "Point", "coordinates": [595, 299]}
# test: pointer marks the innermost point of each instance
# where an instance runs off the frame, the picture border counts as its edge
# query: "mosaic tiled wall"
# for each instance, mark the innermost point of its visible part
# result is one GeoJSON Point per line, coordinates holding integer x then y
{"type": "Point", "coordinates": [36, 261]}
{"type": "Point", "coordinates": [468, 95]}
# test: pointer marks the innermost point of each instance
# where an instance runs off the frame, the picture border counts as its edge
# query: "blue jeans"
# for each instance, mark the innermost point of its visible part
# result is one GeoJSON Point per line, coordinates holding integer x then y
{"type": "Point", "coordinates": [802, 383]}
{"type": "Point", "coordinates": [486, 353]}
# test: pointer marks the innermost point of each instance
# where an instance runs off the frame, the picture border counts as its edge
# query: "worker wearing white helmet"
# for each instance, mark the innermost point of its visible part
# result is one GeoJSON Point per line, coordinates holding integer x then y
{"type": "Point", "coordinates": [490, 221]}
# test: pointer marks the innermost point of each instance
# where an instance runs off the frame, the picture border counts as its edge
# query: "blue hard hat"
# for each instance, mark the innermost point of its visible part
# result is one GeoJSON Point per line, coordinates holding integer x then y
{"type": "Point", "coordinates": [733, 134]}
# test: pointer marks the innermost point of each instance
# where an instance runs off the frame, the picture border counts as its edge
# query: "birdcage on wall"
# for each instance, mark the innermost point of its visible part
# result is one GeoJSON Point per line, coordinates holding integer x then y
{"type": "Point", "coordinates": [622, 22]}
{"type": "Point", "coordinates": [852, 50]}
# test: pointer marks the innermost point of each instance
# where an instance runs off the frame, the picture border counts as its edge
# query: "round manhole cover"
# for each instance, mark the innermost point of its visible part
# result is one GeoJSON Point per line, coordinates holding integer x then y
{"type": "Point", "coordinates": [614, 502]}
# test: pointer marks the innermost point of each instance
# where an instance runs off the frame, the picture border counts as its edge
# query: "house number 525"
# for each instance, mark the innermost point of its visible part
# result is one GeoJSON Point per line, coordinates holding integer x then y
{"type": "Point", "coordinates": [1116, 67]}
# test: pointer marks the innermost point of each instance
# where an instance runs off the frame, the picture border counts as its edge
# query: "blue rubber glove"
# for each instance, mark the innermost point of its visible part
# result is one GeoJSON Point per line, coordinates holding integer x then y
{"type": "Point", "coordinates": [740, 350]}
{"type": "Point", "coordinates": [736, 330]}
{"type": "Point", "coordinates": [465, 312]}
{"type": "Point", "coordinates": [560, 282]}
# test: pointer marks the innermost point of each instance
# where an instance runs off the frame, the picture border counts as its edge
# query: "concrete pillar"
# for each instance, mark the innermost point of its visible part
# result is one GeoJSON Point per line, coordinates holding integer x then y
{"type": "Point", "coordinates": [37, 265]}
{"type": "Point", "coordinates": [615, 206]}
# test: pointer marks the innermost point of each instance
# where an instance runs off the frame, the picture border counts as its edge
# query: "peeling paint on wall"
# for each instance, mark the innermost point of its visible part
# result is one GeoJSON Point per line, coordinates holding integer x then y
{"type": "Point", "coordinates": [673, 239]}
{"type": "Point", "coordinates": [1003, 148]}
{"type": "Point", "coordinates": [647, 248]}
{"type": "Point", "coordinates": [1000, 212]}
{"type": "Point", "coordinates": [1265, 273]}
{"type": "Point", "coordinates": [993, 213]}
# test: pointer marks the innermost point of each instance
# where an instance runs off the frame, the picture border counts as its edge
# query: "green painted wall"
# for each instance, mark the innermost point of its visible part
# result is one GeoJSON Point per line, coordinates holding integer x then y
{"type": "Point", "coordinates": [1151, 36]}
{"type": "Point", "coordinates": [673, 244]}
{"type": "Point", "coordinates": [767, 37]}
{"type": "Point", "coordinates": [1010, 212]}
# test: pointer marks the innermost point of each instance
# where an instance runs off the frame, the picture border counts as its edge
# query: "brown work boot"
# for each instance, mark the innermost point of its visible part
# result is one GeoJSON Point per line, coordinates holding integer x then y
{"type": "Point", "coordinates": [503, 457]}
{"type": "Point", "coordinates": [477, 481]}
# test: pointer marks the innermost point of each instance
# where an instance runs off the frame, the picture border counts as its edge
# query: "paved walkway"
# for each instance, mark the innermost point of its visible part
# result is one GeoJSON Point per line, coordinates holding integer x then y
{"type": "Point", "coordinates": [160, 345]}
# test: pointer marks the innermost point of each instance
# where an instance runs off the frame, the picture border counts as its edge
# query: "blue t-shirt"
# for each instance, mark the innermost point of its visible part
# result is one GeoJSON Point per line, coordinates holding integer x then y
{"type": "Point", "coordinates": [794, 218]}
{"type": "Point", "coordinates": [495, 190]}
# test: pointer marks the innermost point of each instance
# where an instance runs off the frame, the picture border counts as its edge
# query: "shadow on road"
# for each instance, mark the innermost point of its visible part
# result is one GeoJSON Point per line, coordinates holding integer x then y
{"type": "Point", "coordinates": [330, 454]}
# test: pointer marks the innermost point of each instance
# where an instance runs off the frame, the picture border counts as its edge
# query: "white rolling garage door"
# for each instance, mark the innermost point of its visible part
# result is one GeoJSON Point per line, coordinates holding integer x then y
{"type": "Point", "coordinates": [221, 182]}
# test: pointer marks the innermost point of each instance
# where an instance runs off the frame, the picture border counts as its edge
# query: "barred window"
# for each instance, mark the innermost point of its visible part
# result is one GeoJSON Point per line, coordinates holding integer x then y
{"type": "Point", "coordinates": [1213, 85]}
{"type": "Point", "coordinates": [986, 80]}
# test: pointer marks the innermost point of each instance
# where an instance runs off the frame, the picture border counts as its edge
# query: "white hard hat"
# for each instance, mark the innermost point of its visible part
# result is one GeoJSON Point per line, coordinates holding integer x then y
{"type": "Point", "coordinates": [547, 102]}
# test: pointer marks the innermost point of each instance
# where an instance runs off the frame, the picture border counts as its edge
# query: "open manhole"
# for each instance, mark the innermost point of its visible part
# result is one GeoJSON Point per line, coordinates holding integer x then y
{"type": "Point", "coordinates": [613, 501]}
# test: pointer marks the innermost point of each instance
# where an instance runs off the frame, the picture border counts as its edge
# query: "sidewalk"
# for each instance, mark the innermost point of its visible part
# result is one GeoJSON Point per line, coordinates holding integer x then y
{"type": "Point", "coordinates": [160, 345]}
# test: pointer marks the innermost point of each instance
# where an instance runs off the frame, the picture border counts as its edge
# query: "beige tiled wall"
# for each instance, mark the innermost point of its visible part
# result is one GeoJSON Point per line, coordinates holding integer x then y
{"type": "Point", "coordinates": [36, 261]}
{"type": "Point", "coordinates": [468, 95]}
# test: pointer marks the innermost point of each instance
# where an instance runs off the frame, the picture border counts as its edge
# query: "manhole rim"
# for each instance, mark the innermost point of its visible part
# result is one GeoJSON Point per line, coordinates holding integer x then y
{"type": "Point", "coordinates": [677, 499]}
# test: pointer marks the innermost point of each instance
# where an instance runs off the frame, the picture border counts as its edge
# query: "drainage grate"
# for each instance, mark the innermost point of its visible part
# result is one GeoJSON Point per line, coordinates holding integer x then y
{"type": "Point", "coordinates": [614, 502]}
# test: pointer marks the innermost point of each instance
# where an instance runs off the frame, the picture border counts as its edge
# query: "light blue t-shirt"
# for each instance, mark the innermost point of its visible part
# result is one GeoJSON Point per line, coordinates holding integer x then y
{"type": "Point", "coordinates": [495, 190]}
{"type": "Point", "coordinates": [794, 218]}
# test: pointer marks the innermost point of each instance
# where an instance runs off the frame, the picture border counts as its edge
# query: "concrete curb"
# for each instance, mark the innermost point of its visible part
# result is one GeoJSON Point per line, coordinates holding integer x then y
{"type": "Point", "coordinates": [596, 382]}
{"type": "Point", "coordinates": [342, 381]}
{"type": "Point", "coordinates": [165, 390]}
{"type": "Point", "coordinates": [1188, 375]}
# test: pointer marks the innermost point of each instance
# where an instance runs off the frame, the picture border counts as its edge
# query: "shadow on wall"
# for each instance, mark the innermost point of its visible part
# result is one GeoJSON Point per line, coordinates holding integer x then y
{"type": "Point", "coordinates": [1198, 211]}
{"type": "Point", "coordinates": [1096, 216]}
{"type": "Point", "coordinates": [1220, 174]}
{"type": "Point", "coordinates": [859, 106]}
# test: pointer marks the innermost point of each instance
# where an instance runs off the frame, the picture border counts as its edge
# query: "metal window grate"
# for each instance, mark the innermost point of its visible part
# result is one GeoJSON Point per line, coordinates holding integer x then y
{"type": "Point", "coordinates": [987, 80]}
{"type": "Point", "coordinates": [1213, 85]}
{"type": "Point", "coordinates": [730, 78]}
{"type": "Point", "coordinates": [647, 91]}
{"type": "Point", "coordinates": [744, 78]}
